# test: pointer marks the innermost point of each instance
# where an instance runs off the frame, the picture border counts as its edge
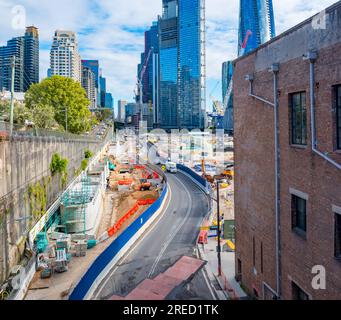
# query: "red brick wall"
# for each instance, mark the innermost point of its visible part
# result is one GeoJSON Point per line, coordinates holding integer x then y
{"type": "Point", "coordinates": [300, 169]}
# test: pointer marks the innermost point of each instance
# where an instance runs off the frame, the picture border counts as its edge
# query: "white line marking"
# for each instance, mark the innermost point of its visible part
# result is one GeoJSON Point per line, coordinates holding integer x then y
{"type": "Point", "coordinates": [134, 246]}
{"type": "Point", "coordinates": [173, 234]}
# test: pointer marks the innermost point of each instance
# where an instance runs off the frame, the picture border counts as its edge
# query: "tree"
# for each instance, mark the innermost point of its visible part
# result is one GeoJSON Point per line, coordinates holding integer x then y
{"type": "Point", "coordinates": [63, 95]}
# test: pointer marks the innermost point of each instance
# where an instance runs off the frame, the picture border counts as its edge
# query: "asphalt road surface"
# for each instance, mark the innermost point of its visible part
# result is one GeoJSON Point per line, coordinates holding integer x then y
{"type": "Point", "coordinates": [171, 237]}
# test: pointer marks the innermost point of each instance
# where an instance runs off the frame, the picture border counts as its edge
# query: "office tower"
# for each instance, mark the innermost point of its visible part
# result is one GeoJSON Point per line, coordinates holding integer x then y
{"type": "Point", "coordinates": [31, 57]}
{"type": "Point", "coordinates": [256, 24]}
{"type": "Point", "coordinates": [94, 66]}
{"type": "Point", "coordinates": [121, 113]}
{"type": "Point", "coordinates": [102, 90]}
{"type": "Point", "coordinates": [168, 79]}
{"type": "Point", "coordinates": [191, 81]}
{"type": "Point", "coordinates": [151, 48]}
{"type": "Point", "coordinates": [14, 48]}
{"type": "Point", "coordinates": [25, 49]}
{"type": "Point", "coordinates": [227, 94]}
{"type": "Point", "coordinates": [182, 74]}
{"type": "Point", "coordinates": [64, 57]}
{"type": "Point", "coordinates": [89, 85]}
{"type": "Point", "coordinates": [109, 101]}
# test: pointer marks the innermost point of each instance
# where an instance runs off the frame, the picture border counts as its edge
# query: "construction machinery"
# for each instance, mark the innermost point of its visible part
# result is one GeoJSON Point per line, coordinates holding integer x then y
{"type": "Point", "coordinates": [144, 185]}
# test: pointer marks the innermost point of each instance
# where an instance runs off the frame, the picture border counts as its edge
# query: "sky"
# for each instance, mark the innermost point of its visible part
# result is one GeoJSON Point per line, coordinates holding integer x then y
{"type": "Point", "coordinates": [112, 31]}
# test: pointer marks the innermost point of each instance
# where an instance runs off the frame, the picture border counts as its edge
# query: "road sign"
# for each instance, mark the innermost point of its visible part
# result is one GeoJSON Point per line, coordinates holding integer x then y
{"type": "Point", "coordinates": [164, 168]}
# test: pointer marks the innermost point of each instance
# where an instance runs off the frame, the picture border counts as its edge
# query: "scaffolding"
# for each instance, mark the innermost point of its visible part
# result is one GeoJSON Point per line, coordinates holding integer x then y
{"type": "Point", "coordinates": [73, 207]}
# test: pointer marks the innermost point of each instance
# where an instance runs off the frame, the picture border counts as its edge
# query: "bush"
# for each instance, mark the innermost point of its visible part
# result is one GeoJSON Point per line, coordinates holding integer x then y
{"type": "Point", "coordinates": [88, 154]}
{"type": "Point", "coordinates": [84, 164]}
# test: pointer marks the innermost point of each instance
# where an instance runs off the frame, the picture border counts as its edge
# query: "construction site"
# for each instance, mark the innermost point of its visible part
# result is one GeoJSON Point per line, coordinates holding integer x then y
{"type": "Point", "coordinates": [104, 200]}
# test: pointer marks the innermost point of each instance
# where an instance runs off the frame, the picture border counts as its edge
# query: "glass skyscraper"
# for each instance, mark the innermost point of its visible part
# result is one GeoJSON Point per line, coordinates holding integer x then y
{"type": "Point", "coordinates": [256, 24]}
{"type": "Point", "coordinates": [191, 31]}
{"type": "Point", "coordinates": [26, 52]}
{"type": "Point", "coordinates": [182, 64]}
{"type": "Point", "coordinates": [227, 74]}
{"type": "Point", "coordinates": [168, 77]}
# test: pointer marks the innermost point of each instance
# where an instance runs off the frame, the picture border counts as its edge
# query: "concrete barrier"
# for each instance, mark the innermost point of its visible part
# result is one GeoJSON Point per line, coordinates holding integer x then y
{"type": "Point", "coordinates": [198, 180]}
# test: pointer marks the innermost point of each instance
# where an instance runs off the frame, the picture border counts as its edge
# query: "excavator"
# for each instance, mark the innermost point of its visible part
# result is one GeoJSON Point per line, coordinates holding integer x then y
{"type": "Point", "coordinates": [144, 185]}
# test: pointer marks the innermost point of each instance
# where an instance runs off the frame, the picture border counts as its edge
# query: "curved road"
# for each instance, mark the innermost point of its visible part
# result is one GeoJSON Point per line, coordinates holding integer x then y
{"type": "Point", "coordinates": [173, 235]}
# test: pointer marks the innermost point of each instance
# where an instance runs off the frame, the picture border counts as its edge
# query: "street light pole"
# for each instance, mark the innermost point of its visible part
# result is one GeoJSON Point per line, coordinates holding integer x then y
{"type": "Point", "coordinates": [218, 230]}
{"type": "Point", "coordinates": [12, 96]}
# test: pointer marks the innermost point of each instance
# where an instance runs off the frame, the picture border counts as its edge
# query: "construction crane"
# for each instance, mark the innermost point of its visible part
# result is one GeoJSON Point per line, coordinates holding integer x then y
{"type": "Point", "coordinates": [140, 78]}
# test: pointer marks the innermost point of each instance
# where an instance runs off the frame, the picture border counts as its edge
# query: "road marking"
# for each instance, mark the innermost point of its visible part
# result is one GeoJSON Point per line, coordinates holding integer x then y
{"type": "Point", "coordinates": [144, 235]}
{"type": "Point", "coordinates": [208, 284]}
{"type": "Point", "coordinates": [173, 234]}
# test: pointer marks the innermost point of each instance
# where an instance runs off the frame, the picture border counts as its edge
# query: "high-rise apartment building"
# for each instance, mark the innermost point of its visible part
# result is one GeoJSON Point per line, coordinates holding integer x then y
{"type": "Point", "coordinates": [182, 72]}
{"type": "Point", "coordinates": [25, 49]}
{"type": "Point", "coordinates": [64, 57]}
{"type": "Point", "coordinates": [256, 24]}
{"type": "Point", "coordinates": [89, 85]}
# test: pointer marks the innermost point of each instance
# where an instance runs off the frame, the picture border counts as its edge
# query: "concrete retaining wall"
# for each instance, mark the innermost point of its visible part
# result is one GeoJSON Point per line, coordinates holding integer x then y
{"type": "Point", "coordinates": [25, 161]}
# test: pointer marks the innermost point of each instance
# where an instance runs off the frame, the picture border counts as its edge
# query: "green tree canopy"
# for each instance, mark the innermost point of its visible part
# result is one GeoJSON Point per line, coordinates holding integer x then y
{"type": "Point", "coordinates": [62, 95]}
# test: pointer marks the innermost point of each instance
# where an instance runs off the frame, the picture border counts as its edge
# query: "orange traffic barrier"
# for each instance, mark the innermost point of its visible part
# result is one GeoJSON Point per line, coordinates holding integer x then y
{"type": "Point", "coordinates": [203, 237]}
{"type": "Point", "coordinates": [125, 182]}
{"type": "Point", "coordinates": [130, 213]}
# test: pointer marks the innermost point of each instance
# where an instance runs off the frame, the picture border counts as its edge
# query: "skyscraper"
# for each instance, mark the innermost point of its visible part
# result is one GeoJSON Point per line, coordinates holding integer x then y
{"type": "Point", "coordinates": [31, 57]}
{"type": "Point", "coordinates": [89, 85]}
{"type": "Point", "coordinates": [121, 112]}
{"type": "Point", "coordinates": [182, 64]}
{"type": "Point", "coordinates": [25, 49]}
{"type": "Point", "coordinates": [191, 81]}
{"type": "Point", "coordinates": [227, 73]}
{"type": "Point", "coordinates": [168, 79]}
{"type": "Point", "coordinates": [64, 57]}
{"type": "Point", "coordinates": [102, 90]}
{"type": "Point", "coordinates": [256, 24]}
{"type": "Point", "coordinates": [109, 100]}
{"type": "Point", "coordinates": [94, 66]}
{"type": "Point", "coordinates": [151, 44]}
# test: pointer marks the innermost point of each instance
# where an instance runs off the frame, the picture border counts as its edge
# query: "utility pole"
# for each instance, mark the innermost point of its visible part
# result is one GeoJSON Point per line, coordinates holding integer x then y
{"type": "Point", "coordinates": [12, 96]}
{"type": "Point", "coordinates": [218, 230]}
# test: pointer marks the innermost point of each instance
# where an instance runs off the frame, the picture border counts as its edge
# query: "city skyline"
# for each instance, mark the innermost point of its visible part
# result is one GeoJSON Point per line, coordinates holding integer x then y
{"type": "Point", "coordinates": [119, 39]}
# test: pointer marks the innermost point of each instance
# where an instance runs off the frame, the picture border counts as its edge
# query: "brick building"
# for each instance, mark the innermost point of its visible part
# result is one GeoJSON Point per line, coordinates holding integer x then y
{"type": "Point", "coordinates": [286, 227]}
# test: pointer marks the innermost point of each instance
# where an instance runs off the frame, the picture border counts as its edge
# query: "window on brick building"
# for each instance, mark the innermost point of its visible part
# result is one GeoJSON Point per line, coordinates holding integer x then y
{"type": "Point", "coordinates": [337, 235]}
{"type": "Point", "coordinates": [299, 214]}
{"type": "Point", "coordinates": [298, 293]}
{"type": "Point", "coordinates": [338, 115]}
{"type": "Point", "coordinates": [298, 118]}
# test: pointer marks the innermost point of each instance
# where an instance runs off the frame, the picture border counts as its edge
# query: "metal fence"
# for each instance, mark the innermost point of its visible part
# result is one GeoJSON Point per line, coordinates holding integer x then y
{"type": "Point", "coordinates": [22, 131]}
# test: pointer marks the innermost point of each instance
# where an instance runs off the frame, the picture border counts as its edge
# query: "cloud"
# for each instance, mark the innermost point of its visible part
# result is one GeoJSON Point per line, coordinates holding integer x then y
{"type": "Point", "coordinates": [112, 31]}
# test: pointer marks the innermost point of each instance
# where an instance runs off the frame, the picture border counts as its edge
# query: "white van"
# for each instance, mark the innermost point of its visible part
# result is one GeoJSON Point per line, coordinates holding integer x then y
{"type": "Point", "coordinates": [171, 167]}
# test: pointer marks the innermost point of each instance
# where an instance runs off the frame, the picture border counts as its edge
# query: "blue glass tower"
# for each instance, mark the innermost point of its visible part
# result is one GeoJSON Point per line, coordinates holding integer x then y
{"type": "Point", "coordinates": [151, 43]}
{"type": "Point", "coordinates": [227, 74]}
{"type": "Point", "coordinates": [93, 65]}
{"type": "Point", "coordinates": [191, 108]}
{"type": "Point", "coordinates": [168, 77]}
{"type": "Point", "coordinates": [182, 64]}
{"type": "Point", "coordinates": [256, 24]}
